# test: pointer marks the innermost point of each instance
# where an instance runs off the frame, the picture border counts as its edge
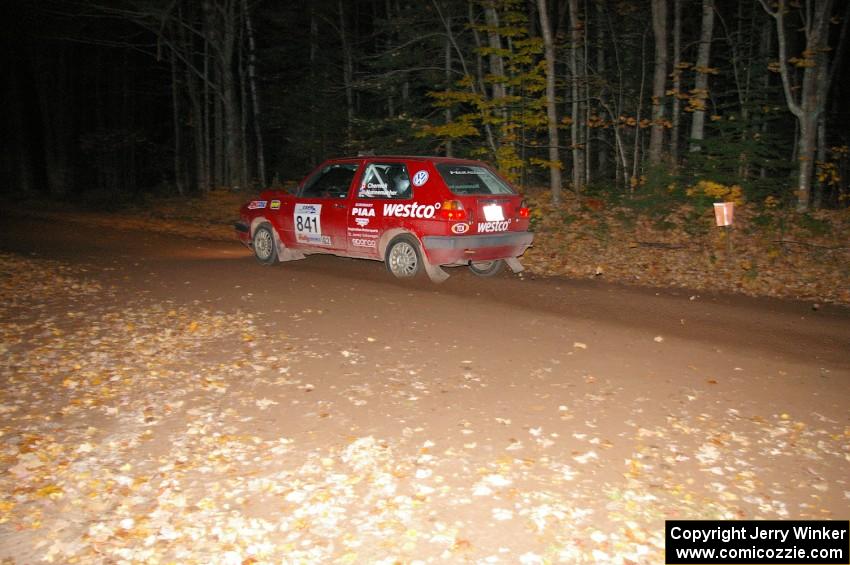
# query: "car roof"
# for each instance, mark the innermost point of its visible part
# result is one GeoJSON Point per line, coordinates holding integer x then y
{"type": "Point", "coordinates": [422, 158]}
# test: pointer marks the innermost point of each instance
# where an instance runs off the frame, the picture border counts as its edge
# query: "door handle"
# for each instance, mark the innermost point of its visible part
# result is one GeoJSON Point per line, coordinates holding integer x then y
{"type": "Point", "coordinates": [340, 206]}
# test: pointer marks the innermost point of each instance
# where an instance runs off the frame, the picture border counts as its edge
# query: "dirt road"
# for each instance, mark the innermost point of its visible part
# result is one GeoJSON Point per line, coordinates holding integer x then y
{"type": "Point", "coordinates": [166, 399]}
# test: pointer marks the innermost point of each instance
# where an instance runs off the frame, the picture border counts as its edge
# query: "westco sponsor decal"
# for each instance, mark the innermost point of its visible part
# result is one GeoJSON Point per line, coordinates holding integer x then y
{"type": "Point", "coordinates": [491, 227]}
{"type": "Point", "coordinates": [414, 210]}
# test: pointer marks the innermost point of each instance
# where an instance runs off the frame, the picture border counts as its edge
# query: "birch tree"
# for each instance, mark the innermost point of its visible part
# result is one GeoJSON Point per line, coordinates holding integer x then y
{"type": "Point", "coordinates": [808, 105]}
{"type": "Point", "coordinates": [700, 93]}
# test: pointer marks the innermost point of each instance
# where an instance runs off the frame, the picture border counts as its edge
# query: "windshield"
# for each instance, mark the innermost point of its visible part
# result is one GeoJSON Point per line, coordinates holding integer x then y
{"type": "Point", "coordinates": [472, 179]}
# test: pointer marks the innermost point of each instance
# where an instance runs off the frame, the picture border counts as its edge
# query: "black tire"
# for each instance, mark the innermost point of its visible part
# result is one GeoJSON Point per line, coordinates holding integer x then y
{"type": "Point", "coordinates": [264, 244]}
{"type": "Point", "coordinates": [403, 258]}
{"type": "Point", "coordinates": [487, 268]}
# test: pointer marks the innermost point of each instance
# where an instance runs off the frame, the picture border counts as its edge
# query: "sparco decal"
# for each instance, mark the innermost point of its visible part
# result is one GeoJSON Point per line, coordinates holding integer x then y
{"type": "Point", "coordinates": [414, 210]}
{"type": "Point", "coordinates": [460, 228]}
{"type": "Point", "coordinates": [490, 227]}
{"type": "Point", "coordinates": [359, 242]}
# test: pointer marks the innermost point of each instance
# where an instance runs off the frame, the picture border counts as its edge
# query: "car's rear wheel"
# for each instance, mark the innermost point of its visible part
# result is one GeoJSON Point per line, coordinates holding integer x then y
{"type": "Point", "coordinates": [265, 249]}
{"type": "Point", "coordinates": [403, 258]}
{"type": "Point", "coordinates": [487, 268]}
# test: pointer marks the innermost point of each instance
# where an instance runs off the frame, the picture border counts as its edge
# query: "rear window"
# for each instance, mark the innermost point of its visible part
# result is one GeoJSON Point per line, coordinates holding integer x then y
{"type": "Point", "coordinates": [472, 179]}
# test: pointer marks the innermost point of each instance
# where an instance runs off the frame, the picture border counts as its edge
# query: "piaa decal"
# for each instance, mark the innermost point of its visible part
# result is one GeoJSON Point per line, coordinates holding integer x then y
{"type": "Point", "coordinates": [363, 212]}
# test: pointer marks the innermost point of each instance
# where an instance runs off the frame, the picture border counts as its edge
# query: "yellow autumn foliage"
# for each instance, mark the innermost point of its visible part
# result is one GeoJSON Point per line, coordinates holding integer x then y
{"type": "Point", "coordinates": [717, 191]}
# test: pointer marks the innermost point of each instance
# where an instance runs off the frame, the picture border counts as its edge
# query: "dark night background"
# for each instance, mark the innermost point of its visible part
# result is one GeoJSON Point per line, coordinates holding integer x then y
{"type": "Point", "coordinates": [103, 102]}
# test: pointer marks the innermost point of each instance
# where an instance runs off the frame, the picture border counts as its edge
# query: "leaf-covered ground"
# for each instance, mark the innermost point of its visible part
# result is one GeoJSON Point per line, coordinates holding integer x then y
{"type": "Point", "coordinates": [768, 252]}
{"type": "Point", "coordinates": [137, 429]}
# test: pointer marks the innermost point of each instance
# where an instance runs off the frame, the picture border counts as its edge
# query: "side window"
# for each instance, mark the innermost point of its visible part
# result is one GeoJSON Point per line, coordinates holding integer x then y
{"type": "Point", "coordinates": [385, 180]}
{"type": "Point", "coordinates": [331, 182]}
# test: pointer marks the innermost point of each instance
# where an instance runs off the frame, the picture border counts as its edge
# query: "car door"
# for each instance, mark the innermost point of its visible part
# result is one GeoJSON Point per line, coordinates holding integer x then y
{"type": "Point", "coordinates": [383, 183]}
{"type": "Point", "coordinates": [320, 212]}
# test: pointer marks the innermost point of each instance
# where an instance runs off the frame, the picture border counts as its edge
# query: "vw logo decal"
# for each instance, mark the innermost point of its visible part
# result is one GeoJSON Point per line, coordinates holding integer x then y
{"type": "Point", "coordinates": [420, 178]}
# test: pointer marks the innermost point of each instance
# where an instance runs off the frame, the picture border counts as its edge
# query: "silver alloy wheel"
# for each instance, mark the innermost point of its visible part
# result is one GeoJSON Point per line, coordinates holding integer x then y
{"type": "Point", "coordinates": [403, 260]}
{"type": "Point", "coordinates": [264, 244]}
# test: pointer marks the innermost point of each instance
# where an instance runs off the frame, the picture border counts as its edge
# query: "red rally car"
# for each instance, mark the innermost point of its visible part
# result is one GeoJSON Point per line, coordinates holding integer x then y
{"type": "Point", "coordinates": [413, 213]}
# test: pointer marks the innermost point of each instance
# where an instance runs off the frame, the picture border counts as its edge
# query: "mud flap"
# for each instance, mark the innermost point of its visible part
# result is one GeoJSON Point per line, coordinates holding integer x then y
{"type": "Point", "coordinates": [286, 254]}
{"type": "Point", "coordinates": [515, 265]}
{"type": "Point", "coordinates": [435, 272]}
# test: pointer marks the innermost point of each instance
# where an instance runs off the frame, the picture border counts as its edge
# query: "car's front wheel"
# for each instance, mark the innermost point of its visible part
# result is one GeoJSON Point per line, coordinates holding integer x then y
{"type": "Point", "coordinates": [487, 268]}
{"type": "Point", "coordinates": [403, 258]}
{"type": "Point", "coordinates": [265, 249]}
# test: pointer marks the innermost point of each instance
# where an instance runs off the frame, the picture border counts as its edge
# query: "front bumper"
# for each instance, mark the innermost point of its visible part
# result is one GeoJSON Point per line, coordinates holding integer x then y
{"type": "Point", "coordinates": [243, 232]}
{"type": "Point", "coordinates": [447, 250]}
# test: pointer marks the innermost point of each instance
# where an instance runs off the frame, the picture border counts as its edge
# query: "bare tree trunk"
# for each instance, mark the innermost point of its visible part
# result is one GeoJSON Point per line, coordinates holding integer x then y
{"type": "Point", "coordinates": [659, 28]}
{"type": "Point", "coordinates": [497, 66]}
{"type": "Point", "coordinates": [825, 82]}
{"type": "Point", "coordinates": [808, 108]}
{"type": "Point", "coordinates": [701, 85]}
{"type": "Point", "coordinates": [636, 151]}
{"type": "Point", "coordinates": [52, 91]}
{"type": "Point", "coordinates": [551, 109]}
{"type": "Point", "coordinates": [488, 129]}
{"type": "Point", "coordinates": [314, 49]}
{"type": "Point", "coordinates": [243, 111]}
{"type": "Point", "coordinates": [199, 134]}
{"type": "Point", "coordinates": [209, 173]}
{"type": "Point", "coordinates": [585, 125]}
{"type": "Point", "coordinates": [178, 147]}
{"type": "Point", "coordinates": [677, 82]}
{"type": "Point", "coordinates": [765, 47]}
{"type": "Point", "coordinates": [221, 171]}
{"type": "Point", "coordinates": [233, 140]}
{"type": "Point", "coordinates": [255, 98]}
{"type": "Point", "coordinates": [602, 149]}
{"type": "Point", "coordinates": [575, 110]}
{"type": "Point", "coordinates": [447, 113]}
{"type": "Point", "coordinates": [19, 161]}
{"type": "Point", "coordinates": [347, 75]}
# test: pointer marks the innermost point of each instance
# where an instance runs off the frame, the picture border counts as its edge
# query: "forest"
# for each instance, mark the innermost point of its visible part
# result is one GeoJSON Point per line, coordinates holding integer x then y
{"type": "Point", "coordinates": [107, 100]}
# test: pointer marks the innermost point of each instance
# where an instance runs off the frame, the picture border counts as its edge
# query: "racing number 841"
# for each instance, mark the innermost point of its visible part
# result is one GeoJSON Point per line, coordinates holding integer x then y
{"type": "Point", "coordinates": [307, 224]}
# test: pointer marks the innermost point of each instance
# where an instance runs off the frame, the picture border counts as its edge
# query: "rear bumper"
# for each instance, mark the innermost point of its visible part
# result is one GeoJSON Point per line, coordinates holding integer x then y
{"type": "Point", "coordinates": [445, 250]}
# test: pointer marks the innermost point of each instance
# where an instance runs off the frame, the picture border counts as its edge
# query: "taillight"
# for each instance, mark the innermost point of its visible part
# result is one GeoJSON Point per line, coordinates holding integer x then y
{"type": "Point", "coordinates": [523, 211]}
{"type": "Point", "coordinates": [453, 210]}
